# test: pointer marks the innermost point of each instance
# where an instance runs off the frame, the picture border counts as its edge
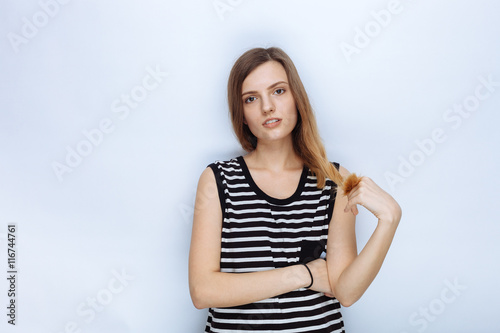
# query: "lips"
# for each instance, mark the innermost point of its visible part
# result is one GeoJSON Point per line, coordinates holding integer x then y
{"type": "Point", "coordinates": [272, 122]}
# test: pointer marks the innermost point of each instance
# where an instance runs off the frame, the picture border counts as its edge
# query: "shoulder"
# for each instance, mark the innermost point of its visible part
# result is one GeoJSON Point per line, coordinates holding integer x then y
{"type": "Point", "coordinates": [208, 175]}
{"type": "Point", "coordinates": [215, 178]}
{"type": "Point", "coordinates": [224, 168]}
{"type": "Point", "coordinates": [341, 169]}
{"type": "Point", "coordinates": [219, 169]}
{"type": "Point", "coordinates": [225, 164]}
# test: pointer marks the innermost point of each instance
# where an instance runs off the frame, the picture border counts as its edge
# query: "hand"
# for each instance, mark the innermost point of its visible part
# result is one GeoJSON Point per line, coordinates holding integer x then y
{"type": "Point", "coordinates": [320, 276]}
{"type": "Point", "coordinates": [380, 203]}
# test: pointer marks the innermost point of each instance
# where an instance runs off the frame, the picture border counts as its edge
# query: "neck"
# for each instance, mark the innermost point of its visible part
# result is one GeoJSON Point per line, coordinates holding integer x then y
{"type": "Point", "coordinates": [275, 156]}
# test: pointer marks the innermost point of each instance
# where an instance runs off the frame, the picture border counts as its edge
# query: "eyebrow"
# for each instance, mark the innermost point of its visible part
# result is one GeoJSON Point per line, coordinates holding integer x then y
{"type": "Point", "coordinates": [268, 88]}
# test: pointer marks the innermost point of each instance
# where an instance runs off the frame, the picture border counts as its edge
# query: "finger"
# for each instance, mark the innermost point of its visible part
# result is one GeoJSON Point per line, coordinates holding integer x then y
{"type": "Point", "coordinates": [349, 203]}
{"type": "Point", "coordinates": [357, 197]}
{"type": "Point", "coordinates": [360, 190]}
{"type": "Point", "coordinates": [351, 206]}
{"type": "Point", "coordinates": [365, 188]}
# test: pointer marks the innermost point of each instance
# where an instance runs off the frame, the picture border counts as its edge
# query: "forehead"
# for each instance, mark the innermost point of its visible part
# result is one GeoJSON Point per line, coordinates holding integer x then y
{"type": "Point", "coordinates": [264, 75]}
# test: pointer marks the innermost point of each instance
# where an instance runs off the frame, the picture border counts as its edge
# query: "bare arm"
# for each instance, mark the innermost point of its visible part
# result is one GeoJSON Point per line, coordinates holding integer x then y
{"type": "Point", "coordinates": [350, 273]}
{"type": "Point", "coordinates": [211, 288]}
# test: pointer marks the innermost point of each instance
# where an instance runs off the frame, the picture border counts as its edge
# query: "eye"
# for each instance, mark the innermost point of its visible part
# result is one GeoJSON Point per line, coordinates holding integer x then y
{"type": "Point", "coordinates": [279, 91]}
{"type": "Point", "coordinates": [250, 99]}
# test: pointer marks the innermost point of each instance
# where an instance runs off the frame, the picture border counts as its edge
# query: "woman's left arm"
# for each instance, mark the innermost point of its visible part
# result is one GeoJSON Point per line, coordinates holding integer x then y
{"type": "Point", "coordinates": [350, 273]}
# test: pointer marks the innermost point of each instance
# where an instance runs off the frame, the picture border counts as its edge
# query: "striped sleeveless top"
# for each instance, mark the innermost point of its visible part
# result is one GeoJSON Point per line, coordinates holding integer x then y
{"type": "Point", "coordinates": [261, 233]}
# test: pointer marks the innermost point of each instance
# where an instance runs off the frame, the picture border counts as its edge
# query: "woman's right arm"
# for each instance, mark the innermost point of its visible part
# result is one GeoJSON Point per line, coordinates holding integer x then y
{"type": "Point", "coordinates": [211, 288]}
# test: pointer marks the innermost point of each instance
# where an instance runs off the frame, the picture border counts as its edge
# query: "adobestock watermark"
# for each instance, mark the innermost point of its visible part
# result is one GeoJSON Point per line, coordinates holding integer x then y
{"type": "Point", "coordinates": [205, 195]}
{"type": "Point", "coordinates": [88, 309]}
{"type": "Point", "coordinates": [454, 117]}
{"type": "Point", "coordinates": [363, 36]}
{"type": "Point", "coordinates": [224, 6]}
{"type": "Point", "coordinates": [420, 320]}
{"type": "Point", "coordinates": [31, 26]}
{"type": "Point", "coordinates": [121, 107]}
{"type": "Point", "coordinates": [187, 210]}
{"type": "Point", "coordinates": [256, 316]}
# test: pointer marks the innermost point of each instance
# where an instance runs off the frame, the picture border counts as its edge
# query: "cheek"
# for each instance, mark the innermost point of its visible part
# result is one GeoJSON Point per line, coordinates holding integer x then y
{"type": "Point", "coordinates": [248, 119]}
{"type": "Point", "coordinates": [289, 104]}
{"type": "Point", "coordinates": [250, 111]}
{"type": "Point", "coordinates": [293, 113]}
{"type": "Point", "coordinates": [245, 114]}
{"type": "Point", "coordinates": [294, 119]}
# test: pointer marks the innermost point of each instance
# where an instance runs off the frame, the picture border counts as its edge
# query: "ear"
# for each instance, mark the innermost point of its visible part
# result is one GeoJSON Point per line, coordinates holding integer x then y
{"type": "Point", "coordinates": [244, 121]}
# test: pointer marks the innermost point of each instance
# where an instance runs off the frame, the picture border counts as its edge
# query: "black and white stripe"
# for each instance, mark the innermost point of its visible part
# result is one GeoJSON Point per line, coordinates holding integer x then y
{"type": "Point", "coordinates": [260, 233]}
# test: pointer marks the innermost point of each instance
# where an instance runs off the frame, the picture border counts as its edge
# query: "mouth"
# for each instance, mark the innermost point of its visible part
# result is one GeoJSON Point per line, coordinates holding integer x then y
{"type": "Point", "coordinates": [271, 122]}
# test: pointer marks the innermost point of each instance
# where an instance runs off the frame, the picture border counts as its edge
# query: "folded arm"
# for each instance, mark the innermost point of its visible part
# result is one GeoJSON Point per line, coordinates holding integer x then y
{"type": "Point", "coordinates": [211, 288]}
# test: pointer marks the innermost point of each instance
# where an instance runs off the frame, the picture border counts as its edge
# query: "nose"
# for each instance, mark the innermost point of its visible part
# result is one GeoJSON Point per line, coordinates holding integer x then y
{"type": "Point", "coordinates": [267, 105]}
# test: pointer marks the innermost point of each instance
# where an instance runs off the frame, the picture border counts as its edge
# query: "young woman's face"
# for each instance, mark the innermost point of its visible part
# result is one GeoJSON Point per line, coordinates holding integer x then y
{"type": "Point", "coordinates": [268, 105]}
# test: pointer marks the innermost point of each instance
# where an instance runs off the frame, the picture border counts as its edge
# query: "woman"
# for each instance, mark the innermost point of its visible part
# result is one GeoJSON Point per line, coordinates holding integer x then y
{"type": "Point", "coordinates": [273, 246]}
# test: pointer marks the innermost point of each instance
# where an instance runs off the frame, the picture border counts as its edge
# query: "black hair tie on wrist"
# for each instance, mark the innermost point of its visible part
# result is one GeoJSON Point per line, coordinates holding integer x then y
{"type": "Point", "coordinates": [312, 280]}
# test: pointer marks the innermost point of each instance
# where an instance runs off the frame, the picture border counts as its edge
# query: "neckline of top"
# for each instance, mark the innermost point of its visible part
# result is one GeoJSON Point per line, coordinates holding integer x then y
{"type": "Point", "coordinates": [263, 194]}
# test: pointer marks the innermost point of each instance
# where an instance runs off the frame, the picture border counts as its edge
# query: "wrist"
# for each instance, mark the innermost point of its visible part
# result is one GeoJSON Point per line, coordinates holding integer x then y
{"type": "Point", "coordinates": [388, 225]}
{"type": "Point", "coordinates": [309, 277]}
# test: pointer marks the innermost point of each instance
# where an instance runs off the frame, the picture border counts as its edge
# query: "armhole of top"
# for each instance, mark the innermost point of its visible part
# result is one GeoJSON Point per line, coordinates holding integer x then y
{"type": "Point", "coordinates": [334, 194]}
{"type": "Point", "coordinates": [220, 188]}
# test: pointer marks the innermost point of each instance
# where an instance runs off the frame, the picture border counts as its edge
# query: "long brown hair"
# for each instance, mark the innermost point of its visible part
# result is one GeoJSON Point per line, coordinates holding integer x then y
{"type": "Point", "coordinates": [306, 140]}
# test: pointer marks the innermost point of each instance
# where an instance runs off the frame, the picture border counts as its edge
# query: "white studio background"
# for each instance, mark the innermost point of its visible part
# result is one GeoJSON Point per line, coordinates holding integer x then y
{"type": "Point", "coordinates": [110, 111]}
